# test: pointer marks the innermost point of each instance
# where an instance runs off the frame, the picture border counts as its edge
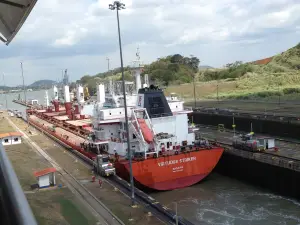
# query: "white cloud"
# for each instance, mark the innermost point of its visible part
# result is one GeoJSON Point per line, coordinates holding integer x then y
{"type": "Point", "coordinates": [80, 34]}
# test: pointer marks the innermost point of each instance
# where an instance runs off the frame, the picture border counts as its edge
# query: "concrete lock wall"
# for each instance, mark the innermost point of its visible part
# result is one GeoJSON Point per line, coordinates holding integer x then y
{"type": "Point", "coordinates": [277, 179]}
{"type": "Point", "coordinates": [277, 128]}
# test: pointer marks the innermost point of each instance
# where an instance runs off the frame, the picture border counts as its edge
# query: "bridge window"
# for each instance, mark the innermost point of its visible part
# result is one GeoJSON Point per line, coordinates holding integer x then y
{"type": "Point", "coordinates": [6, 140]}
{"type": "Point", "coordinates": [16, 139]}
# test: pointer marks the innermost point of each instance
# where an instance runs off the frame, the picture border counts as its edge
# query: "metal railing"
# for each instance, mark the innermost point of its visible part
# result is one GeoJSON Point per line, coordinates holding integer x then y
{"type": "Point", "coordinates": [14, 208]}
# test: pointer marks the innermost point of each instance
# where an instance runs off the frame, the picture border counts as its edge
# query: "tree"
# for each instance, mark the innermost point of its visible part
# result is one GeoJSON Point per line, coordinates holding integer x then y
{"type": "Point", "coordinates": [177, 58]}
{"type": "Point", "coordinates": [194, 63]}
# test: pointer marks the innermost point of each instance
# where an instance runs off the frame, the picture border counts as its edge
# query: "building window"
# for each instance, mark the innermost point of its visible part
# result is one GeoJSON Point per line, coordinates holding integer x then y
{"type": "Point", "coordinates": [110, 114]}
{"type": "Point", "coordinates": [16, 139]}
{"type": "Point", "coordinates": [6, 140]}
{"type": "Point", "coordinates": [112, 134]}
{"type": "Point", "coordinates": [133, 136]}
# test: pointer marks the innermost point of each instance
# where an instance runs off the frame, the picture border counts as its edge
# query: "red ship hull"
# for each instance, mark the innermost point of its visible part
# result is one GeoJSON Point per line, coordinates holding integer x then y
{"type": "Point", "coordinates": [162, 173]}
{"type": "Point", "coordinates": [172, 172]}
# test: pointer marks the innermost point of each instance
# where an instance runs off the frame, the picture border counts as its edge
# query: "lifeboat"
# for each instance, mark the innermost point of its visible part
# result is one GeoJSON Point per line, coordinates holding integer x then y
{"type": "Point", "coordinates": [147, 133]}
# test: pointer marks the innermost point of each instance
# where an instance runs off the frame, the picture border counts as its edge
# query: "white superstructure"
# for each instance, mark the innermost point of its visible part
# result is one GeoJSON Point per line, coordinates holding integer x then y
{"type": "Point", "coordinates": [165, 129]}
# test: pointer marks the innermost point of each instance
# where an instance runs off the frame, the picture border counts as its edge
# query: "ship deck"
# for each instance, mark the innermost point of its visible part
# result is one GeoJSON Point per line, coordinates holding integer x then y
{"type": "Point", "coordinates": [79, 123]}
{"type": "Point", "coordinates": [75, 139]}
{"type": "Point", "coordinates": [286, 149]}
{"type": "Point", "coordinates": [61, 118]}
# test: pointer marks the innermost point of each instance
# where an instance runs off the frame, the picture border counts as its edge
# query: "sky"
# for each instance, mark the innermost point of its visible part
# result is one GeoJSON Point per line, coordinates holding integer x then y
{"type": "Point", "coordinates": [79, 35]}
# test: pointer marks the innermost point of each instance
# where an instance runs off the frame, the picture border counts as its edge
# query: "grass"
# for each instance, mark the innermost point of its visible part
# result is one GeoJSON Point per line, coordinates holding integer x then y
{"type": "Point", "coordinates": [71, 213]}
{"type": "Point", "coordinates": [114, 200]}
{"type": "Point", "coordinates": [280, 77]}
{"type": "Point", "coordinates": [58, 207]}
{"type": "Point", "coordinates": [53, 206]}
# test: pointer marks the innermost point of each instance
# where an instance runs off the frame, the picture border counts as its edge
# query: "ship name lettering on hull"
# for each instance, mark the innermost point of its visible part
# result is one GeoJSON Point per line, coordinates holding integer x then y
{"type": "Point", "coordinates": [172, 162]}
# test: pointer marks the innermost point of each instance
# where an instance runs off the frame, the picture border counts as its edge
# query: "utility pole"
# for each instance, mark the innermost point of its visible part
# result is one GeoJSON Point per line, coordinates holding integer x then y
{"type": "Point", "coordinates": [107, 64]}
{"type": "Point", "coordinates": [233, 126]}
{"type": "Point", "coordinates": [218, 92]}
{"type": "Point", "coordinates": [5, 91]}
{"type": "Point", "coordinates": [194, 90]}
{"type": "Point", "coordinates": [118, 6]}
{"type": "Point", "coordinates": [22, 72]}
{"type": "Point", "coordinates": [176, 211]}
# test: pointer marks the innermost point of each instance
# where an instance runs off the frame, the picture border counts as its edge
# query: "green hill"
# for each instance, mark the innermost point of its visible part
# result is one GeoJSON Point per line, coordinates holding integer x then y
{"type": "Point", "coordinates": [173, 69]}
{"type": "Point", "coordinates": [275, 76]}
{"type": "Point", "coordinates": [278, 77]}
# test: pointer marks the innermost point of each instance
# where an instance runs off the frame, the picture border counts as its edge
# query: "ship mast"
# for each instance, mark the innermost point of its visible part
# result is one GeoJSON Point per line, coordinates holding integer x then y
{"type": "Point", "coordinates": [136, 69]}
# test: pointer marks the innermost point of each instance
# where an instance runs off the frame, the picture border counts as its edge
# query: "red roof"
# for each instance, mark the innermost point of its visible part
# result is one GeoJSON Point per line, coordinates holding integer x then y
{"type": "Point", "coordinates": [11, 134]}
{"type": "Point", "coordinates": [44, 172]}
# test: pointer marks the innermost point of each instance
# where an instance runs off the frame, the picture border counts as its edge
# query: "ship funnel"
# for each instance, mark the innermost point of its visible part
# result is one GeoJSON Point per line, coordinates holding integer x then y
{"type": "Point", "coordinates": [154, 101]}
{"type": "Point", "coordinates": [55, 92]}
{"type": "Point", "coordinates": [79, 94]}
{"type": "Point", "coordinates": [101, 93]}
{"type": "Point", "coordinates": [67, 93]}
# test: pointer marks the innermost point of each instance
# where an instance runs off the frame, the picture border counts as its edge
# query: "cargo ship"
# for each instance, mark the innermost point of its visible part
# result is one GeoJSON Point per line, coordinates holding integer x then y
{"type": "Point", "coordinates": [166, 154]}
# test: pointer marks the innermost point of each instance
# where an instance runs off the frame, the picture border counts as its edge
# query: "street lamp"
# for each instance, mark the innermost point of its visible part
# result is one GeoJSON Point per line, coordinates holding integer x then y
{"type": "Point", "coordinates": [24, 95]}
{"type": "Point", "coordinates": [118, 6]}
{"type": "Point", "coordinates": [5, 91]}
{"type": "Point", "coordinates": [107, 64]}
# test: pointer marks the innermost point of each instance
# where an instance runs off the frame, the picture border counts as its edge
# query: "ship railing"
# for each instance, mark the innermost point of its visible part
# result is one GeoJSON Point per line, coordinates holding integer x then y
{"type": "Point", "coordinates": [14, 208]}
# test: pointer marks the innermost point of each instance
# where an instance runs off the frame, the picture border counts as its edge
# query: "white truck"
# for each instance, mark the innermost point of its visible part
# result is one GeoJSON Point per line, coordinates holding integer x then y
{"type": "Point", "coordinates": [103, 166]}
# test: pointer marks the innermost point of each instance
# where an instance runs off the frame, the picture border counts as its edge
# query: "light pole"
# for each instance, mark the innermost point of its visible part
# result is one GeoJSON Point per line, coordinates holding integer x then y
{"type": "Point", "coordinates": [22, 72]}
{"type": "Point", "coordinates": [118, 6]}
{"type": "Point", "coordinates": [194, 90]}
{"type": "Point", "coordinates": [5, 92]}
{"type": "Point", "coordinates": [107, 64]}
{"type": "Point", "coordinates": [176, 213]}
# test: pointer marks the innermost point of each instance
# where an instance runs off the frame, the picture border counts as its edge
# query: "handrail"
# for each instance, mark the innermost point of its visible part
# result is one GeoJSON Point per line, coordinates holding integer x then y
{"type": "Point", "coordinates": [12, 198]}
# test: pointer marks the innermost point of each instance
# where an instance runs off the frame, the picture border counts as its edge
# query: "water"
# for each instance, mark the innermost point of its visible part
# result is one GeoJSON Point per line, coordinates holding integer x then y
{"type": "Point", "coordinates": [221, 200]}
{"type": "Point", "coordinates": [218, 200]}
{"type": "Point", "coordinates": [39, 95]}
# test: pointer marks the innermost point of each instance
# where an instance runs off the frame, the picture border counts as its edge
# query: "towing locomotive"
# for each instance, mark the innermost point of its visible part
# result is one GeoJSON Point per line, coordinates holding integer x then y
{"type": "Point", "coordinates": [253, 143]}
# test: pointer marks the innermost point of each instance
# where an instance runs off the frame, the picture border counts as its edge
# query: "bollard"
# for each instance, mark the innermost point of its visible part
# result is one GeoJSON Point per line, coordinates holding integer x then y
{"type": "Point", "coordinates": [100, 183]}
{"type": "Point", "coordinates": [93, 178]}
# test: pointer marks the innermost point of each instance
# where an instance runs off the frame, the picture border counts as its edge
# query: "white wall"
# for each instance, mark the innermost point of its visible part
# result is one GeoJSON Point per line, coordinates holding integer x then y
{"type": "Point", "coordinates": [11, 140]}
{"type": "Point", "coordinates": [177, 125]}
{"type": "Point", "coordinates": [4, 142]}
{"type": "Point", "coordinates": [176, 106]}
{"type": "Point", "coordinates": [17, 141]}
{"type": "Point", "coordinates": [44, 181]}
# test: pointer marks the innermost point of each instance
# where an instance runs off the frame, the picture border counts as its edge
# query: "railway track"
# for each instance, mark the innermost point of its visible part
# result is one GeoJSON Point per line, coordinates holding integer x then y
{"type": "Point", "coordinates": [161, 212]}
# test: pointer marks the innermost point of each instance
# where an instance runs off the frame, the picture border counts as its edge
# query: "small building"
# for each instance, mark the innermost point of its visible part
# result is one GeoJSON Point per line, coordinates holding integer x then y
{"type": "Point", "coordinates": [33, 102]}
{"type": "Point", "coordinates": [11, 138]}
{"type": "Point", "coordinates": [46, 177]}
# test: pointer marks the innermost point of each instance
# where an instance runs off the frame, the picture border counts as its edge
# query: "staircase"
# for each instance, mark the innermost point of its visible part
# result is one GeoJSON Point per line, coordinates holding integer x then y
{"type": "Point", "coordinates": [135, 128]}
